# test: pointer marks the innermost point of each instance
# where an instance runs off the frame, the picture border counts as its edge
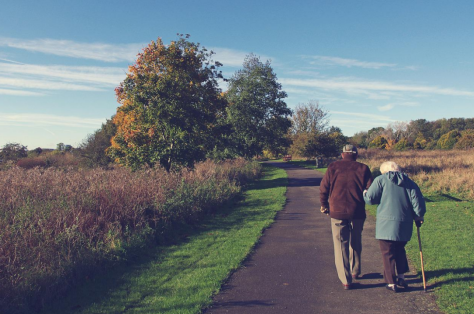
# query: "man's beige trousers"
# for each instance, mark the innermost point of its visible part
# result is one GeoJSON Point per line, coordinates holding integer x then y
{"type": "Point", "coordinates": [347, 238]}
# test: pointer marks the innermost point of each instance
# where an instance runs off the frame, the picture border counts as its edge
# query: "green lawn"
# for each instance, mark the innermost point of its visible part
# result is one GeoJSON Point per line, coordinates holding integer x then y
{"type": "Point", "coordinates": [182, 278]}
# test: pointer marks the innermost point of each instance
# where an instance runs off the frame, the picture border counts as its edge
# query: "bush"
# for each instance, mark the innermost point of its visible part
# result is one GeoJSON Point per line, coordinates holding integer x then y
{"type": "Point", "coordinates": [58, 226]}
{"type": "Point", "coordinates": [466, 141]}
{"type": "Point", "coordinates": [402, 145]}
{"type": "Point", "coordinates": [28, 163]}
{"type": "Point", "coordinates": [379, 142]}
{"type": "Point", "coordinates": [448, 140]}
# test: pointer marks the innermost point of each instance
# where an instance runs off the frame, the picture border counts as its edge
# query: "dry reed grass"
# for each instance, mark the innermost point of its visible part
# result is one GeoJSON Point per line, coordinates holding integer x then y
{"type": "Point", "coordinates": [58, 225]}
{"type": "Point", "coordinates": [436, 171]}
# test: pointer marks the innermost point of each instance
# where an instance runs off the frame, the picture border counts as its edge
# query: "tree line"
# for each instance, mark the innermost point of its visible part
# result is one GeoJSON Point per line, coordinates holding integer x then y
{"type": "Point", "coordinates": [172, 113]}
{"type": "Point", "coordinates": [453, 133]}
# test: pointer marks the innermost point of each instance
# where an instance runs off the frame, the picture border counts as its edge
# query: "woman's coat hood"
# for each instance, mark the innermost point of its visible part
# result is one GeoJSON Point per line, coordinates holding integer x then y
{"type": "Point", "coordinates": [397, 178]}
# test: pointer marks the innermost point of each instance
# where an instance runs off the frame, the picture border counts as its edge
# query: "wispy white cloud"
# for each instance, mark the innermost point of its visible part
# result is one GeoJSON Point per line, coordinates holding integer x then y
{"type": "Point", "coordinates": [412, 67]}
{"type": "Point", "coordinates": [366, 116]}
{"type": "Point", "coordinates": [67, 48]}
{"type": "Point", "coordinates": [390, 106]}
{"type": "Point", "coordinates": [109, 76]}
{"type": "Point", "coordinates": [28, 80]}
{"type": "Point", "coordinates": [15, 92]}
{"type": "Point", "coordinates": [386, 107]}
{"type": "Point", "coordinates": [305, 73]}
{"type": "Point", "coordinates": [229, 57]}
{"type": "Point", "coordinates": [107, 52]}
{"type": "Point", "coordinates": [409, 104]}
{"type": "Point", "coordinates": [44, 85]}
{"type": "Point", "coordinates": [349, 63]}
{"type": "Point", "coordinates": [358, 86]}
{"type": "Point", "coordinates": [49, 131]}
{"type": "Point", "coordinates": [11, 61]}
{"type": "Point", "coordinates": [44, 120]}
{"type": "Point", "coordinates": [352, 122]}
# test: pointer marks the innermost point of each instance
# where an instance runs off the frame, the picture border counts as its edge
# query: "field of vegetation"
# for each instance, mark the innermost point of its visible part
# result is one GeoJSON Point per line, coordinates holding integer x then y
{"type": "Point", "coordinates": [447, 182]}
{"type": "Point", "coordinates": [183, 277]}
{"type": "Point", "coordinates": [436, 171]}
{"type": "Point", "coordinates": [61, 225]}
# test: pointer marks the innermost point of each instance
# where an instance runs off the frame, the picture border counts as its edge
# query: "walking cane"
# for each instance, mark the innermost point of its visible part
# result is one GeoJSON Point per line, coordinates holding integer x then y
{"type": "Point", "coordinates": [421, 257]}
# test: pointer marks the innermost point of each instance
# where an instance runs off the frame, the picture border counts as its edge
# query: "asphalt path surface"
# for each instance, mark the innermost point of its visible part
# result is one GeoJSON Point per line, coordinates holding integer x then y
{"type": "Point", "coordinates": [292, 268]}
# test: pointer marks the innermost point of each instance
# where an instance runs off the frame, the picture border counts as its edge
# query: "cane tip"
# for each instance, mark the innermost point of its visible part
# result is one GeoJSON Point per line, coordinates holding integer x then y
{"type": "Point", "coordinates": [425, 290]}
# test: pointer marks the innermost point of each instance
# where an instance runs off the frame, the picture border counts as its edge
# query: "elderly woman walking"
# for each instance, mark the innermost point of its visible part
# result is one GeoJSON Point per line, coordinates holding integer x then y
{"type": "Point", "coordinates": [400, 203]}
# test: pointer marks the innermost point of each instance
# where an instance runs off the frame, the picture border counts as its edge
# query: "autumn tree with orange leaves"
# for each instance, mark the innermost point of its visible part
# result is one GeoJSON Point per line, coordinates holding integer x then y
{"type": "Point", "coordinates": [170, 105]}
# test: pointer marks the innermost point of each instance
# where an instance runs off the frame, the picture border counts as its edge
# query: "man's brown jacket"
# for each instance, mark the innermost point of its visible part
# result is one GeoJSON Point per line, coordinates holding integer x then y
{"type": "Point", "coordinates": [342, 187]}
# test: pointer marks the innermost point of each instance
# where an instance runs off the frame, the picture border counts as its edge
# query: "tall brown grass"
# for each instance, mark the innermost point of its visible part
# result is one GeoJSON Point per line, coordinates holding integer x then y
{"type": "Point", "coordinates": [436, 171]}
{"type": "Point", "coordinates": [59, 225]}
{"type": "Point", "coordinates": [50, 159]}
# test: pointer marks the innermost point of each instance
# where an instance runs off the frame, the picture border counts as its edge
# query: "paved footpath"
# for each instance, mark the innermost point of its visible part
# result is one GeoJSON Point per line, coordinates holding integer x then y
{"type": "Point", "coordinates": [292, 268]}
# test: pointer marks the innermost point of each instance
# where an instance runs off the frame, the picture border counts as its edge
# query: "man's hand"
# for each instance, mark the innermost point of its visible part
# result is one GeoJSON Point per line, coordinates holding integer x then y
{"type": "Point", "coordinates": [324, 210]}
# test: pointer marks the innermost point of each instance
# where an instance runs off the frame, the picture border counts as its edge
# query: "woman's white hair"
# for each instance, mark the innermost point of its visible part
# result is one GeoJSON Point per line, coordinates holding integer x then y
{"type": "Point", "coordinates": [389, 166]}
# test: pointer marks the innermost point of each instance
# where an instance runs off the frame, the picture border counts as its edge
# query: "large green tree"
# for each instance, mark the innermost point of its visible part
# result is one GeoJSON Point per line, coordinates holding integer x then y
{"type": "Point", "coordinates": [257, 111]}
{"type": "Point", "coordinates": [170, 102]}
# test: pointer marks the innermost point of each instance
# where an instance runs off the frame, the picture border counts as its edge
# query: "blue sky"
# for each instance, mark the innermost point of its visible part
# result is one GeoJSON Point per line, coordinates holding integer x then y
{"type": "Point", "coordinates": [369, 63]}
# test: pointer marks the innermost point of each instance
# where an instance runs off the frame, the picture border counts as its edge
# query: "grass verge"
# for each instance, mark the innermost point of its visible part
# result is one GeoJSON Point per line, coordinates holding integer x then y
{"type": "Point", "coordinates": [311, 164]}
{"type": "Point", "coordinates": [182, 278]}
{"type": "Point", "coordinates": [448, 256]}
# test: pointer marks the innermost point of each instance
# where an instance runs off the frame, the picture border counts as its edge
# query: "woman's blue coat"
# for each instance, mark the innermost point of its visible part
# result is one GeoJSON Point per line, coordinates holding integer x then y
{"type": "Point", "coordinates": [400, 201]}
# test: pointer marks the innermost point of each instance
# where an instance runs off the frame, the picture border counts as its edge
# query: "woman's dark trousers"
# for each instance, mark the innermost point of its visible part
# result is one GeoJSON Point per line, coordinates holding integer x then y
{"type": "Point", "coordinates": [394, 258]}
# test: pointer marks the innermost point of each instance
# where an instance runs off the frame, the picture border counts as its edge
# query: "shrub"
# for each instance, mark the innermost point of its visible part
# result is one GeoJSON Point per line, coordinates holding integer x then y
{"type": "Point", "coordinates": [431, 144]}
{"type": "Point", "coordinates": [402, 145]}
{"type": "Point", "coordinates": [28, 163]}
{"type": "Point", "coordinates": [466, 141]}
{"type": "Point", "coordinates": [378, 142]}
{"type": "Point", "coordinates": [448, 140]}
{"type": "Point", "coordinates": [59, 225]}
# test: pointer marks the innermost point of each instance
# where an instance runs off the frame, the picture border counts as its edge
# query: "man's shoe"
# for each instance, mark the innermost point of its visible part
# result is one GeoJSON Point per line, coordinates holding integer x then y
{"type": "Point", "coordinates": [355, 276]}
{"type": "Point", "coordinates": [402, 283]}
{"type": "Point", "coordinates": [392, 288]}
{"type": "Point", "coordinates": [347, 287]}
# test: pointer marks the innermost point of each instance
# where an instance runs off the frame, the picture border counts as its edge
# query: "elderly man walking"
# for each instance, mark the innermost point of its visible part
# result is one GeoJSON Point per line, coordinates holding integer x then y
{"type": "Point", "coordinates": [341, 195]}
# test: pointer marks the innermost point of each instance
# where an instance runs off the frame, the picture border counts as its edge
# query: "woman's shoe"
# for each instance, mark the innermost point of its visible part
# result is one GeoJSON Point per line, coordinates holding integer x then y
{"type": "Point", "coordinates": [402, 283]}
{"type": "Point", "coordinates": [392, 288]}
